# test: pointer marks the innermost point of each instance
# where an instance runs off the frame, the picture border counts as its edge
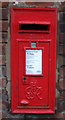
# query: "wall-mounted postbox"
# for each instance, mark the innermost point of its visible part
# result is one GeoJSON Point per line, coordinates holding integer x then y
{"type": "Point", "coordinates": [33, 59]}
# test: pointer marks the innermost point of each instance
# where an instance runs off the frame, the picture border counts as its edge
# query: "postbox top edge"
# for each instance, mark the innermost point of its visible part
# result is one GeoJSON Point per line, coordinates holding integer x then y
{"type": "Point", "coordinates": [32, 22]}
{"type": "Point", "coordinates": [26, 8]}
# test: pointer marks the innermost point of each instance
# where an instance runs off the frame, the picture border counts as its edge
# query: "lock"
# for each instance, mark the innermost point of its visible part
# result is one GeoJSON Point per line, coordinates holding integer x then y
{"type": "Point", "coordinates": [24, 79]}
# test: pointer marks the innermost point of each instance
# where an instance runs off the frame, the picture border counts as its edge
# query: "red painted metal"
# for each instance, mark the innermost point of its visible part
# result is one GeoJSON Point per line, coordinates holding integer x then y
{"type": "Point", "coordinates": [33, 93]}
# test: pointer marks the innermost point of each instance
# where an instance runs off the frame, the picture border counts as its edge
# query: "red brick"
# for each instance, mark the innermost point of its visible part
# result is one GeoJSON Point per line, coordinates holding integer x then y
{"type": "Point", "coordinates": [0, 13]}
{"type": "Point", "coordinates": [3, 26]}
{"type": "Point", "coordinates": [62, 6]}
{"type": "Point", "coordinates": [3, 36]}
{"type": "Point", "coordinates": [4, 4]}
{"type": "Point", "coordinates": [3, 13]}
{"type": "Point", "coordinates": [62, 70]}
{"type": "Point", "coordinates": [0, 36]}
{"type": "Point", "coordinates": [40, 4]}
{"type": "Point", "coordinates": [61, 75]}
{"type": "Point", "coordinates": [61, 50]}
{"type": "Point", "coordinates": [0, 26]}
{"type": "Point", "coordinates": [62, 27]}
{"type": "Point", "coordinates": [62, 38]}
{"type": "Point", "coordinates": [63, 94]}
{"type": "Point", "coordinates": [5, 105]}
{"type": "Point", "coordinates": [3, 82]}
{"type": "Point", "coordinates": [60, 97]}
{"type": "Point", "coordinates": [64, 115]}
{"type": "Point", "coordinates": [60, 105]}
{"type": "Point", "coordinates": [62, 16]}
{"type": "Point", "coordinates": [2, 49]}
{"type": "Point", "coordinates": [61, 83]}
{"type": "Point", "coordinates": [0, 4]}
{"type": "Point", "coordinates": [2, 60]}
{"type": "Point", "coordinates": [3, 91]}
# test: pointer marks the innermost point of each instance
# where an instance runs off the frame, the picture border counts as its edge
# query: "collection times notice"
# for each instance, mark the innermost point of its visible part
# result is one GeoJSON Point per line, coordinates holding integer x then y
{"type": "Point", "coordinates": [33, 61]}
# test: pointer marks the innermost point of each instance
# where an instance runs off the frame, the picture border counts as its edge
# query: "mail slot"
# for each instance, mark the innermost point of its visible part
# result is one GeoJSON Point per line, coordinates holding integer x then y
{"type": "Point", "coordinates": [33, 59]}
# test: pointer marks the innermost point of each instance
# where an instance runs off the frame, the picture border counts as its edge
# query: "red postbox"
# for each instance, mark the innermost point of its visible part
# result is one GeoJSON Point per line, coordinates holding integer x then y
{"type": "Point", "coordinates": [33, 59]}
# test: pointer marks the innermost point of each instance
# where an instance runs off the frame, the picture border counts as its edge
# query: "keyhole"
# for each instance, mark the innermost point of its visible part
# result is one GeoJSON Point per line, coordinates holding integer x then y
{"type": "Point", "coordinates": [24, 79]}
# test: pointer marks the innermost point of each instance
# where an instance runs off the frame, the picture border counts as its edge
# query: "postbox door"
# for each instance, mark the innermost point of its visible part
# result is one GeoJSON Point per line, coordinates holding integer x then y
{"type": "Point", "coordinates": [33, 74]}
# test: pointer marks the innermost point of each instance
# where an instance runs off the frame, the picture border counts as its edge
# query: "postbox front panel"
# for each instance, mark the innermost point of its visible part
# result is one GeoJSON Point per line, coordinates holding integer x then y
{"type": "Point", "coordinates": [33, 59]}
{"type": "Point", "coordinates": [34, 87]}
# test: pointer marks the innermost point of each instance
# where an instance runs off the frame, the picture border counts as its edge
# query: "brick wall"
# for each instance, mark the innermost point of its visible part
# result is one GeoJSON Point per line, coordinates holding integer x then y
{"type": "Point", "coordinates": [3, 42]}
{"type": "Point", "coordinates": [61, 63]}
{"type": "Point", "coordinates": [6, 81]}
